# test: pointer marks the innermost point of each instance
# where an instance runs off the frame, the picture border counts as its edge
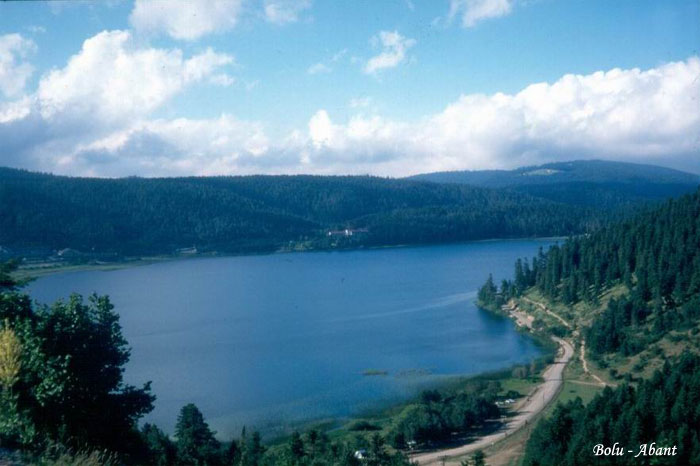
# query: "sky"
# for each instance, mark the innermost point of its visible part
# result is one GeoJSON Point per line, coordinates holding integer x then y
{"type": "Point", "coordinates": [380, 87]}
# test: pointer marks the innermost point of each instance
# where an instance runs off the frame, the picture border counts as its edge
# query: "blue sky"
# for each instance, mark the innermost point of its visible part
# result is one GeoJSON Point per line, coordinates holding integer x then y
{"type": "Point", "coordinates": [317, 86]}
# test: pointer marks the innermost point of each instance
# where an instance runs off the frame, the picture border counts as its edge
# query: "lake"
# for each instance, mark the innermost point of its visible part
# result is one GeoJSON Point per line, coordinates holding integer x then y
{"type": "Point", "coordinates": [272, 340]}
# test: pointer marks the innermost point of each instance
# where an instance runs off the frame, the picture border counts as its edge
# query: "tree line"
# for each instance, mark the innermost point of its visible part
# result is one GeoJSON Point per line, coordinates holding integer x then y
{"type": "Point", "coordinates": [662, 410]}
{"type": "Point", "coordinates": [655, 255]}
{"type": "Point", "coordinates": [134, 216]}
{"type": "Point", "coordinates": [438, 415]}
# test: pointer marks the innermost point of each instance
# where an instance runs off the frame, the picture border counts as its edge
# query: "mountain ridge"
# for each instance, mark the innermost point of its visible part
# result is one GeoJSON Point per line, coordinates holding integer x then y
{"type": "Point", "coordinates": [264, 213]}
{"type": "Point", "coordinates": [594, 183]}
{"type": "Point", "coordinates": [575, 170]}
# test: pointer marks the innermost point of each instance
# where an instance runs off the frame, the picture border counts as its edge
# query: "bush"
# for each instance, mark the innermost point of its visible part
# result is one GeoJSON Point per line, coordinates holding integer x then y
{"type": "Point", "coordinates": [64, 365]}
{"type": "Point", "coordinates": [363, 426]}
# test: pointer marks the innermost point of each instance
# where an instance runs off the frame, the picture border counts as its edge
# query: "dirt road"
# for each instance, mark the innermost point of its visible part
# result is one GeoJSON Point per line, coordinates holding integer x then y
{"type": "Point", "coordinates": [535, 403]}
{"type": "Point", "coordinates": [548, 311]}
{"type": "Point", "coordinates": [584, 363]}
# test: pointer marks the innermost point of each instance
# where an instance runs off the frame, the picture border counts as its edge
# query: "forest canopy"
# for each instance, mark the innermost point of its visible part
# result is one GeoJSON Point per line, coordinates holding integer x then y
{"type": "Point", "coordinates": [134, 216]}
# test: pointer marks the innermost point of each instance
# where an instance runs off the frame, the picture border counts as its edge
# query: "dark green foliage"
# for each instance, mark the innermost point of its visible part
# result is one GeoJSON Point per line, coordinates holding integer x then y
{"type": "Point", "coordinates": [655, 254]}
{"type": "Point", "coordinates": [611, 332]}
{"type": "Point", "coordinates": [658, 252]}
{"type": "Point", "coordinates": [315, 448]}
{"type": "Point", "coordinates": [662, 409]}
{"type": "Point", "coordinates": [252, 450]}
{"type": "Point", "coordinates": [296, 447]}
{"type": "Point", "coordinates": [488, 295]}
{"type": "Point", "coordinates": [7, 282]}
{"type": "Point", "coordinates": [478, 458]}
{"type": "Point", "coordinates": [70, 387]}
{"type": "Point", "coordinates": [161, 450]}
{"type": "Point", "coordinates": [363, 426]}
{"type": "Point", "coordinates": [94, 405]}
{"type": "Point", "coordinates": [377, 453]}
{"type": "Point", "coordinates": [133, 216]}
{"type": "Point", "coordinates": [438, 415]}
{"type": "Point", "coordinates": [196, 444]}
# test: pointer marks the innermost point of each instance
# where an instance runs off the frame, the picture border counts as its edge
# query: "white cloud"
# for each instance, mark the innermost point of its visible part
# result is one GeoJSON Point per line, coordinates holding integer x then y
{"type": "Point", "coordinates": [204, 64]}
{"type": "Point", "coordinates": [619, 114]}
{"type": "Point", "coordinates": [474, 11]}
{"type": "Point", "coordinates": [284, 11]}
{"type": "Point", "coordinates": [186, 20]}
{"type": "Point", "coordinates": [17, 110]}
{"type": "Point", "coordinates": [14, 70]}
{"type": "Point", "coordinates": [319, 68]}
{"type": "Point", "coordinates": [394, 48]}
{"type": "Point", "coordinates": [322, 131]}
{"type": "Point", "coordinates": [89, 119]}
{"type": "Point", "coordinates": [109, 87]}
{"type": "Point", "coordinates": [112, 80]}
{"type": "Point", "coordinates": [175, 147]}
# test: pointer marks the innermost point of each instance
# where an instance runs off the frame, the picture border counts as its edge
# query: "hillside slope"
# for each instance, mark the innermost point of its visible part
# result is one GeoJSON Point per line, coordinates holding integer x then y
{"type": "Point", "coordinates": [583, 182]}
{"type": "Point", "coordinates": [632, 293]}
{"type": "Point", "coordinates": [651, 263]}
{"type": "Point", "coordinates": [262, 213]}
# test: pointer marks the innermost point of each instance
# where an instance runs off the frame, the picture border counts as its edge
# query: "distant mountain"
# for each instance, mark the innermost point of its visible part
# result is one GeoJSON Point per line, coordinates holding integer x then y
{"type": "Point", "coordinates": [85, 217]}
{"type": "Point", "coordinates": [583, 182]}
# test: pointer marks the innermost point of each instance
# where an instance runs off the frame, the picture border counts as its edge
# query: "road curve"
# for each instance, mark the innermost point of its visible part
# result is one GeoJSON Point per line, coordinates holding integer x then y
{"type": "Point", "coordinates": [535, 403]}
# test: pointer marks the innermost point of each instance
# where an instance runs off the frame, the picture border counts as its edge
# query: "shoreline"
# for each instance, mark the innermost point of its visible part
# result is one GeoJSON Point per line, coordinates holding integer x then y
{"type": "Point", "coordinates": [339, 425]}
{"type": "Point", "coordinates": [537, 401]}
{"type": "Point", "coordinates": [544, 394]}
{"type": "Point", "coordinates": [38, 271]}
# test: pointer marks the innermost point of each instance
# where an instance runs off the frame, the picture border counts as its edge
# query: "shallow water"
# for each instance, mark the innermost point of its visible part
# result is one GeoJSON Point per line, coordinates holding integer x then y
{"type": "Point", "coordinates": [270, 340]}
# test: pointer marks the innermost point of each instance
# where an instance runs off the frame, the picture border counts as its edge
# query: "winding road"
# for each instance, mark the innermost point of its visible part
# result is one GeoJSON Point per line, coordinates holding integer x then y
{"type": "Point", "coordinates": [535, 403]}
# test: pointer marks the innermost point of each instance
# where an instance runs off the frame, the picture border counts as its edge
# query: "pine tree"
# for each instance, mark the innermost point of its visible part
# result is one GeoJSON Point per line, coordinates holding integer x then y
{"type": "Point", "coordinates": [296, 447]}
{"type": "Point", "coordinates": [196, 444]}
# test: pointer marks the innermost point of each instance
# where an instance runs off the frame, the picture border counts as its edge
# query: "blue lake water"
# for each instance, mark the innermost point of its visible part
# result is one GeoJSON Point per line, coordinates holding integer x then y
{"type": "Point", "coordinates": [271, 340]}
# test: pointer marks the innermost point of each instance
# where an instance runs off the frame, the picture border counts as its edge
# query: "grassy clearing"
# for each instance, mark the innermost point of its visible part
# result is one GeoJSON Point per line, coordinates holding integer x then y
{"type": "Point", "coordinates": [580, 314]}
{"type": "Point", "coordinates": [643, 364]}
{"type": "Point", "coordinates": [522, 386]}
{"type": "Point", "coordinates": [33, 271]}
{"type": "Point", "coordinates": [572, 390]}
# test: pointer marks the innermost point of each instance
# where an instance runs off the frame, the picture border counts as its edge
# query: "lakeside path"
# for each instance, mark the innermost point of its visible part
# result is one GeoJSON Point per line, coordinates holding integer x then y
{"type": "Point", "coordinates": [582, 354]}
{"type": "Point", "coordinates": [546, 309]}
{"type": "Point", "coordinates": [534, 404]}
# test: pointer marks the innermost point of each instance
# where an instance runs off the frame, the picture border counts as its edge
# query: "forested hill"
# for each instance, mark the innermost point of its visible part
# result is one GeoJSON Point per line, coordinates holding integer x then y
{"type": "Point", "coordinates": [652, 258]}
{"type": "Point", "coordinates": [135, 216]}
{"type": "Point", "coordinates": [657, 420]}
{"type": "Point", "coordinates": [583, 182]}
{"type": "Point", "coordinates": [632, 291]}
